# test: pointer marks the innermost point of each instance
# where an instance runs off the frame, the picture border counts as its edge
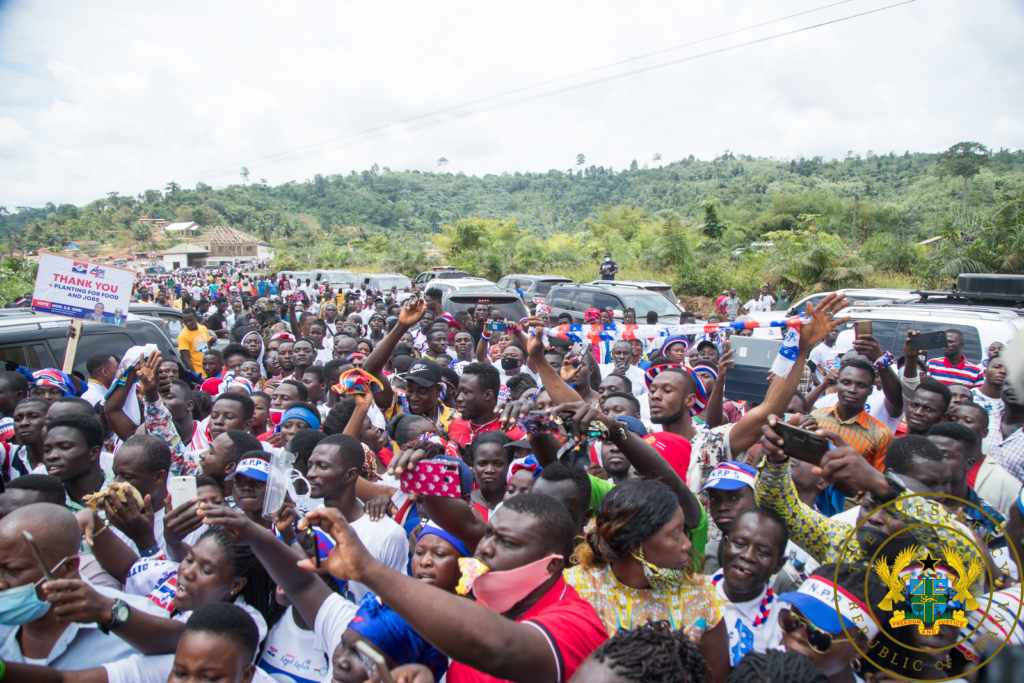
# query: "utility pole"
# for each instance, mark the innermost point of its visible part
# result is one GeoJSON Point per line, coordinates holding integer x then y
{"type": "Point", "coordinates": [856, 199]}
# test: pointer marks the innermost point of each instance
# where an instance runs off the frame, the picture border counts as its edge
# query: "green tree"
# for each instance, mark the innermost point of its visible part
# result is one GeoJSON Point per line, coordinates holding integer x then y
{"type": "Point", "coordinates": [713, 227]}
{"type": "Point", "coordinates": [964, 160]}
{"type": "Point", "coordinates": [580, 159]}
{"type": "Point", "coordinates": [443, 163]}
{"type": "Point", "coordinates": [245, 175]}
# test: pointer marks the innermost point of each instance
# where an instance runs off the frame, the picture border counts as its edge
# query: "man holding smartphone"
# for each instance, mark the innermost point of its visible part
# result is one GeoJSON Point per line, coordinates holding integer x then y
{"type": "Point", "coordinates": [953, 367]}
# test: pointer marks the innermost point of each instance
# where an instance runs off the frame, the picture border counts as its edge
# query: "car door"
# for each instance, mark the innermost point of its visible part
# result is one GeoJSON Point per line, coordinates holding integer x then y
{"type": "Point", "coordinates": [584, 301]}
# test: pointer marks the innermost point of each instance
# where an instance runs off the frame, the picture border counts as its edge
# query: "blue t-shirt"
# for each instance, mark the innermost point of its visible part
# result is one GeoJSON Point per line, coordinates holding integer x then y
{"type": "Point", "coordinates": [261, 288]}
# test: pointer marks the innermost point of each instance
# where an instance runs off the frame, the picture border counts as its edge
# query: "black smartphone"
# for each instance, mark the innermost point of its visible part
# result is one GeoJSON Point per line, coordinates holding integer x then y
{"type": "Point", "coordinates": [929, 340]}
{"type": "Point", "coordinates": [497, 327]}
{"type": "Point", "coordinates": [801, 444]}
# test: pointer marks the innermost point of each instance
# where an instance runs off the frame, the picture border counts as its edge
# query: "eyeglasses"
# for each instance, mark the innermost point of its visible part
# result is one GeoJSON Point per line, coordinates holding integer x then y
{"type": "Point", "coordinates": [820, 641]}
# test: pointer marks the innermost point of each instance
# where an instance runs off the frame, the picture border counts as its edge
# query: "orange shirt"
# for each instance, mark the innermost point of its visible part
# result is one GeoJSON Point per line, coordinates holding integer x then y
{"type": "Point", "coordinates": [867, 435]}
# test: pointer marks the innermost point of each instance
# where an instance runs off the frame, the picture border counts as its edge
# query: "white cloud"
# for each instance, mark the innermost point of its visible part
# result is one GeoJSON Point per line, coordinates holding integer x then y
{"type": "Point", "coordinates": [137, 94]}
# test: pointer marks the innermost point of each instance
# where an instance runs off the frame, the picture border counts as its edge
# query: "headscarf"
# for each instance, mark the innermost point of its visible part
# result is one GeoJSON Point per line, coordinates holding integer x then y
{"type": "Point", "coordinates": [304, 414]}
{"type": "Point", "coordinates": [51, 377]}
{"type": "Point", "coordinates": [263, 350]}
{"type": "Point", "coordinates": [434, 530]}
{"type": "Point", "coordinates": [592, 315]}
{"type": "Point", "coordinates": [389, 633]}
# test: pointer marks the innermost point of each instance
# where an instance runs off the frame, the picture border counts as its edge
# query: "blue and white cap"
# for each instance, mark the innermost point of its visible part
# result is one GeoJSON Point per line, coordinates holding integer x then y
{"type": "Point", "coordinates": [254, 468]}
{"type": "Point", "coordinates": [731, 476]}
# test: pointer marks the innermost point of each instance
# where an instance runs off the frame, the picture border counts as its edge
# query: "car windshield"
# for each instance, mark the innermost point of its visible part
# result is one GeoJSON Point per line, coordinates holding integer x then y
{"type": "Point", "coordinates": [483, 287]}
{"type": "Point", "coordinates": [389, 281]}
{"type": "Point", "coordinates": [643, 303]}
{"type": "Point", "coordinates": [341, 279]}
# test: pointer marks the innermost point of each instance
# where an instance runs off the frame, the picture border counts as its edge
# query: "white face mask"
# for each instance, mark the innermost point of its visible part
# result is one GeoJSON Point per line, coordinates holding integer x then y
{"type": "Point", "coordinates": [607, 258]}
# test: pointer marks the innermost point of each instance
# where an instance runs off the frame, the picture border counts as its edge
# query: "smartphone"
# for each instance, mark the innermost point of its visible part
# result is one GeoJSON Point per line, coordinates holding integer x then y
{"type": "Point", "coordinates": [538, 422]}
{"type": "Point", "coordinates": [928, 340]}
{"type": "Point", "coordinates": [801, 444]}
{"type": "Point", "coordinates": [375, 657]}
{"type": "Point", "coordinates": [433, 478]}
{"type": "Point", "coordinates": [862, 328]}
{"type": "Point", "coordinates": [182, 490]}
{"type": "Point", "coordinates": [497, 327]}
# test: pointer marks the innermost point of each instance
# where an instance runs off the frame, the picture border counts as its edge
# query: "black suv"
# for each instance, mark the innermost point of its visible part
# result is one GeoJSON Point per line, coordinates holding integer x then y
{"type": "Point", "coordinates": [39, 341]}
{"type": "Point", "coordinates": [575, 299]}
{"type": "Point", "coordinates": [534, 287]}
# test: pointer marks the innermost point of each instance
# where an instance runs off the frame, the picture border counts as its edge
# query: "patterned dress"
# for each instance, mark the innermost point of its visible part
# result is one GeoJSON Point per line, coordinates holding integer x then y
{"type": "Point", "coordinates": [695, 608]}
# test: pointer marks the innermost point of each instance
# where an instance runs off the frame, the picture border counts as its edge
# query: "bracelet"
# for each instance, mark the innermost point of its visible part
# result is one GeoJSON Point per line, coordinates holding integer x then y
{"type": "Point", "coordinates": [885, 361]}
{"type": "Point", "coordinates": [619, 433]}
{"type": "Point", "coordinates": [106, 525]}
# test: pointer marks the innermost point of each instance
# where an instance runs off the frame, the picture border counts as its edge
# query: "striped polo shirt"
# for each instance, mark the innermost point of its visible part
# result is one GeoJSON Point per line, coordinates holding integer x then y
{"type": "Point", "coordinates": [865, 434]}
{"type": "Point", "coordinates": [967, 374]}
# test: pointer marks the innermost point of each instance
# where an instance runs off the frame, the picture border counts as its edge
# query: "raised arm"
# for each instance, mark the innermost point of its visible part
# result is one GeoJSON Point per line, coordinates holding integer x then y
{"type": "Point", "coordinates": [870, 347]}
{"type": "Point", "coordinates": [306, 591]}
{"type": "Point", "coordinates": [747, 431]}
{"type": "Point", "coordinates": [118, 420]}
{"type": "Point", "coordinates": [648, 462]}
{"type": "Point", "coordinates": [714, 414]}
{"type": "Point", "coordinates": [556, 387]}
{"type": "Point", "coordinates": [467, 632]}
{"type": "Point", "coordinates": [411, 313]}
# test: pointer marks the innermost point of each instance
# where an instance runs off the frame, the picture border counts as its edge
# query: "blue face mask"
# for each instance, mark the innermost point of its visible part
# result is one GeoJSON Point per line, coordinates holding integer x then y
{"type": "Point", "coordinates": [21, 605]}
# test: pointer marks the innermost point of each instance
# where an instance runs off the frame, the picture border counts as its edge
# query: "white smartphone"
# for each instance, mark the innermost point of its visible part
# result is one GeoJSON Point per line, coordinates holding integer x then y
{"type": "Point", "coordinates": [182, 490]}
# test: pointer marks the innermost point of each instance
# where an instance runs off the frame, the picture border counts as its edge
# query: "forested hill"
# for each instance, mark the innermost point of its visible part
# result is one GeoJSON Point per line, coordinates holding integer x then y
{"type": "Point", "coordinates": [904, 194]}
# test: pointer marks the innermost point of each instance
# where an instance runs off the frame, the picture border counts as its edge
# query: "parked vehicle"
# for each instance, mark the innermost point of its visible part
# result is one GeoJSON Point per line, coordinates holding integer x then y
{"type": "Point", "coordinates": [169, 320]}
{"type": "Point", "coordinates": [439, 273]}
{"type": "Point", "coordinates": [510, 305]}
{"type": "Point", "coordinates": [337, 279]}
{"type": "Point", "coordinates": [477, 284]}
{"type": "Point", "coordinates": [382, 281]}
{"type": "Point", "coordinates": [534, 287]}
{"type": "Point", "coordinates": [577, 298]}
{"type": "Point", "coordinates": [890, 324]}
{"type": "Point", "coordinates": [156, 270]}
{"type": "Point", "coordinates": [867, 296]}
{"type": "Point", "coordinates": [299, 276]}
{"type": "Point", "coordinates": [39, 341]}
{"type": "Point", "coordinates": [651, 285]}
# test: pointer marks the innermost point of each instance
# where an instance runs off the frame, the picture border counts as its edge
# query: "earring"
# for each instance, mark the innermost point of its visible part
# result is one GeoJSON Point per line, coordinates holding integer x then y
{"type": "Point", "coordinates": [855, 665]}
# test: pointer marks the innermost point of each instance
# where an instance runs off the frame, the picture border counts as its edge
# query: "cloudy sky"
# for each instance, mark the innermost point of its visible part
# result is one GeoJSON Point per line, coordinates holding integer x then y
{"type": "Point", "coordinates": [122, 96]}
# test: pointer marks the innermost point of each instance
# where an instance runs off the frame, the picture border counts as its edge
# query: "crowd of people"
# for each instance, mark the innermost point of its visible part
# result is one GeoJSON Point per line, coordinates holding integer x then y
{"type": "Point", "coordinates": [323, 483]}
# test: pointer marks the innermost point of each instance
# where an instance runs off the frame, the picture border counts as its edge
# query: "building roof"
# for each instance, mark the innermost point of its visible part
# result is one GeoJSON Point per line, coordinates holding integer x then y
{"type": "Point", "coordinates": [180, 227]}
{"type": "Point", "coordinates": [223, 234]}
{"type": "Point", "coordinates": [186, 248]}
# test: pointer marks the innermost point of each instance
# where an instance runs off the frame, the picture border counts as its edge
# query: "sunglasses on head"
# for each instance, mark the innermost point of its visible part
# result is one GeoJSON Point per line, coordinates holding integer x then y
{"type": "Point", "coordinates": [820, 641]}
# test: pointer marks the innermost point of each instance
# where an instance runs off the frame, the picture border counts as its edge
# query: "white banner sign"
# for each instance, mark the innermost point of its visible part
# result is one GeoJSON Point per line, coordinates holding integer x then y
{"type": "Point", "coordinates": [80, 289]}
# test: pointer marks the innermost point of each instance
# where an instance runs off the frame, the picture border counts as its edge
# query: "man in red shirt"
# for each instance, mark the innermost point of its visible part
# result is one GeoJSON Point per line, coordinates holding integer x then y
{"type": "Point", "coordinates": [477, 401]}
{"type": "Point", "coordinates": [544, 635]}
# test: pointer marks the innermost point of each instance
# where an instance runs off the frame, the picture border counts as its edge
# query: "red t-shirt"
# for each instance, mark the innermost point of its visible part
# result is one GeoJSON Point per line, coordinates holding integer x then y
{"type": "Point", "coordinates": [674, 448]}
{"type": "Point", "coordinates": [568, 623]}
{"type": "Point", "coordinates": [463, 431]}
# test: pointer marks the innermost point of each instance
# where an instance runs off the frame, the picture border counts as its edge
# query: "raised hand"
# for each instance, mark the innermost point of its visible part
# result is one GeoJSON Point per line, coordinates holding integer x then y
{"type": "Point", "coordinates": [148, 372]}
{"type": "Point", "coordinates": [535, 342]}
{"type": "Point", "coordinates": [726, 361]}
{"type": "Point", "coordinates": [412, 312]}
{"type": "Point", "coordinates": [348, 559]}
{"type": "Point", "coordinates": [181, 521]}
{"type": "Point", "coordinates": [822, 320]}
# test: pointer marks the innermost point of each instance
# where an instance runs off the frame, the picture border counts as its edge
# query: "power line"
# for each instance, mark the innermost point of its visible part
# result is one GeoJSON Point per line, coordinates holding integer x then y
{"type": "Point", "coordinates": [558, 91]}
{"type": "Point", "coordinates": [233, 167]}
{"type": "Point", "coordinates": [382, 132]}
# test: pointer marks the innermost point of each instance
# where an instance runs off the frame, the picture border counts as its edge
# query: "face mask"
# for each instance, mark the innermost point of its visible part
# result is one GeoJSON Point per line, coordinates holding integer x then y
{"type": "Point", "coordinates": [21, 605]}
{"type": "Point", "coordinates": [659, 577]}
{"type": "Point", "coordinates": [509, 363]}
{"type": "Point", "coordinates": [275, 415]}
{"type": "Point", "coordinates": [500, 591]}
{"type": "Point", "coordinates": [607, 259]}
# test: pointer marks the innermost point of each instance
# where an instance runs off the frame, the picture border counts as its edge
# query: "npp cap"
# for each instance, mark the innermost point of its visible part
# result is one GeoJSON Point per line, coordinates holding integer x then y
{"type": "Point", "coordinates": [731, 476]}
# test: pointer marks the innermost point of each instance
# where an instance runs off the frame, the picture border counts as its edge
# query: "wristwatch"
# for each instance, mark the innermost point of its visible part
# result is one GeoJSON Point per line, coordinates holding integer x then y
{"type": "Point", "coordinates": [896, 487]}
{"type": "Point", "coordinates": [119, 615]}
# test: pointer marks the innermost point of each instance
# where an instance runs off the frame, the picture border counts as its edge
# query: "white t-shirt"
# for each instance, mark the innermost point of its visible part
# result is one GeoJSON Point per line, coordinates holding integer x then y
{"type": "Point", "coordinates": [386, 541]}
{"type": "Point", "coordinates": [503, 393]}
{"type": "Point", "coordinates": [744, 635]}
{"type": "Point", "coordinates": [633, 373]}
{"type": "Point", "coordinates": [289, 655]}
{"type": "Point", "coordinates": [332, 619]}
{"type": "Point", "coordinates": [875, 406]}
{"type": "Point", "coordinates": [825, 358]}
{"type": "Point", "coordinates": [762, 305]}
{"type": "Point", "coordinates": [994, 408]}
